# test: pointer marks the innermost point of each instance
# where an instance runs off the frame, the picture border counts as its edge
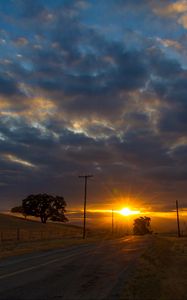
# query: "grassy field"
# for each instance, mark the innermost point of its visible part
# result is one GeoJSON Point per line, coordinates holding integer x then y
{"type": "Point", "coordinates": [19, 229]}
{"type": "Point", "coordinates": [8, 221]}
{"type": "Point", "coordinates": [161, 272]}
{"type": "Point", "coordinates": [19, 236]}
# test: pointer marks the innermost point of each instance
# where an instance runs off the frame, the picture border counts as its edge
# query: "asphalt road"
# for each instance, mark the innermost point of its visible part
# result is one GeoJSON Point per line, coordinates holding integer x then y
{"type": "Point", "coordinates": [89, 271]}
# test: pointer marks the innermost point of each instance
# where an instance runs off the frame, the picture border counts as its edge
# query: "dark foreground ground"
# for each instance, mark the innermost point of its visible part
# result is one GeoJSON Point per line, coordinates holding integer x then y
{"type": "Point", "coordinates": [131, 268]}
{"type": "Point", "coordinates": [82, 272]}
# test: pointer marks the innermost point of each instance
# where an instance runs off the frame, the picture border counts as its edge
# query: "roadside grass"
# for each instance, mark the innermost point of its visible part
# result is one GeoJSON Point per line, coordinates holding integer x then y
{"type": "Point", "coordinates": [161, 272]}
{"type": "Point", "coordinates": [14, 249]}
{"type": "Point", "coordinates": [19, 248]}
{"type": "Point", "coordinates": [35, 236]}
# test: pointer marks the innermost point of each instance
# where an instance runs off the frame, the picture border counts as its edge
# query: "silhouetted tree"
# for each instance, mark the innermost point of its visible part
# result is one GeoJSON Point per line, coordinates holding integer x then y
{"type": "Point", "coordinates": [142, 226]}
{"type": "Point", "coordinates": [45, 207]}
{"type": "Point", "coordinates": [18, 209]}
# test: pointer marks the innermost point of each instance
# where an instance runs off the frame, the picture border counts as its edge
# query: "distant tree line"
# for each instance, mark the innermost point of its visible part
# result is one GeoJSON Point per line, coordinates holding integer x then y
{"type": "Point", "coordinates": [44, 206]}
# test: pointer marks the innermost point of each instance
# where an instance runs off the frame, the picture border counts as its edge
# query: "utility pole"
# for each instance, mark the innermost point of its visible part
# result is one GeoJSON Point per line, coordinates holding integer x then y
{"type": "Point", "coordinates": [85, 199]}
{"type": "Point", "coordinates": [112, 221]}
{"type": "Point", "coordinates": [178, 223]}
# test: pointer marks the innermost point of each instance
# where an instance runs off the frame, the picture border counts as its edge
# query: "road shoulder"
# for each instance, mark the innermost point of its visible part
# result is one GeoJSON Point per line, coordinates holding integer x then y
{"type": "Point", "coordinates": [161, 272]}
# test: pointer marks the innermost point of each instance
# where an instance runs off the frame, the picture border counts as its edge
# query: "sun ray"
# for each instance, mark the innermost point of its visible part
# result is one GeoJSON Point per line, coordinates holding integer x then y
{"type": "Point", "coordinates": [126, 211]}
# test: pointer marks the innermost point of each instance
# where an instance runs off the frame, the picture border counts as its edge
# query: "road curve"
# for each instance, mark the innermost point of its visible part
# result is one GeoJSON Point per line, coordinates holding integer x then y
{"type": "Point", "coordinates": [89, 271]}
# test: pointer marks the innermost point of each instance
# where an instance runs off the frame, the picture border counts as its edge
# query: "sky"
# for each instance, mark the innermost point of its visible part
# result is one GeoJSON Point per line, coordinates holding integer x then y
{"type": "Point", "coordinates": [94, 87]}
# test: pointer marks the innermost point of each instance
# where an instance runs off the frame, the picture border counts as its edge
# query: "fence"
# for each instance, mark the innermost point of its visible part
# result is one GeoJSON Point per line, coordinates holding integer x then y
{"type": "Point", "coordinates": [24, 235]}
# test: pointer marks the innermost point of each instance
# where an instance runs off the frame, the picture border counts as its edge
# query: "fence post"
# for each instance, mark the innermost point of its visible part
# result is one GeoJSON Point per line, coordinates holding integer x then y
{"type": "Point", "coordinates": [18, 234]}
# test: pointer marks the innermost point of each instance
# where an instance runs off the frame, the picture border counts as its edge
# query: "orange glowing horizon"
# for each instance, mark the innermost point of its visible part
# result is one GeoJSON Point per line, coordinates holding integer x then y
{"type": "Point", "coordinates": [130, 212]}
{"type": "Point", "coordinates": [125, 211]}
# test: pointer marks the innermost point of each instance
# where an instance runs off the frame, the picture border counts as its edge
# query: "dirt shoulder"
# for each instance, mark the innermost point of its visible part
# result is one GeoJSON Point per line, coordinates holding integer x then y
{"type": "Point", "coordinates": [161, 272]}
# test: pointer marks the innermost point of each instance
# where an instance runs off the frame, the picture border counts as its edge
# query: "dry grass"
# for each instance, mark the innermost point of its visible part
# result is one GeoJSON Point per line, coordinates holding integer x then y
{"type": "Point", "coordinates": [161, 272]}
{"type": "Point", "coordinates": [13, 249]}
{"type": "Point", "coordinates": [8, 222]}
{"type": "Point", "coordinates": [35, 236]}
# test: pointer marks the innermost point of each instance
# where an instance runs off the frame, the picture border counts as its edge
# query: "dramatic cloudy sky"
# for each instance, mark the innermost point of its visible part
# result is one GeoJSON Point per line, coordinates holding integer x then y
{"type": "Point", "coordinates": [94, 87]}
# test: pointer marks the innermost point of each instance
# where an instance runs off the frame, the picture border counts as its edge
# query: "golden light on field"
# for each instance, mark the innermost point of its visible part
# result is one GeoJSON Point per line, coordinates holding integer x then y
{"type": "Point", "coordinates": [126, 211]}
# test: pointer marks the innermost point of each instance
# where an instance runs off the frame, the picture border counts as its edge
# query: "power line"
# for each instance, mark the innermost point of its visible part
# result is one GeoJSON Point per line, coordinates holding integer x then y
{"type": "Point", "coordinates": [85, 200]}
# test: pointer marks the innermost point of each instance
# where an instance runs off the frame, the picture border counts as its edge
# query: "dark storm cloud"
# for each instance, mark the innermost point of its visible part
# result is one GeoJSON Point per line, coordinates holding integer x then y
{"type": "Point", "coordinates": [94, 74]}
{"type": "Point", "coordinates": [21, 137]}
{"type": "Point", "coordinates": [137, 119]}
{"type": "Point", "coordinates": [172, 90]}
{"type": "Point", "coordinates": [83, 64]}
{"type": "Point", "coordinates": [164, 67]}
{"type": "Point", "coordinates": [109, 67]}
{"type": "Point", "coordinates": [117, 104]}
{"type": "Point", "coordinates": [143, 148]}
{"type": "Point", "coordinates": [70, 138]}
{"type": "Point", "coordinates": [174, 120]}
{"type": "Point", "coordinates": [168, 174]}
{"type": "Point", "coordinates": [8, 86]}
{"type": "Point", "coordinates": [180, 154]}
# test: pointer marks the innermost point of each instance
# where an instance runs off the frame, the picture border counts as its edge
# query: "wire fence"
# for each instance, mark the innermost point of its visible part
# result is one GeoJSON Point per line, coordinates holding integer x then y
{"type": "Point", "coordinates": [24, 235]}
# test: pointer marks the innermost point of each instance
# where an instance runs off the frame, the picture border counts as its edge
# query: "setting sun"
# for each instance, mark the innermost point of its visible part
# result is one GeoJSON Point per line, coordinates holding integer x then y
{"type": "Point", "coordinates": [127, 211]}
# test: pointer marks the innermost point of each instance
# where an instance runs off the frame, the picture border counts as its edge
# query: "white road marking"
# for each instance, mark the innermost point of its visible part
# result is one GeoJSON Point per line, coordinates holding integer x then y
{"type": "Point", "coordinates": [49, 252]}
{"type": "Point", "coordinates": [38, 266]}
{"type": "Point", "coordinates": [52, 261]}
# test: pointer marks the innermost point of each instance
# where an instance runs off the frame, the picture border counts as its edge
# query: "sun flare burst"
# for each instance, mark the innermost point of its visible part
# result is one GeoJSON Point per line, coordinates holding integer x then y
{"type": "Point", "coordinates": [126, 211]}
